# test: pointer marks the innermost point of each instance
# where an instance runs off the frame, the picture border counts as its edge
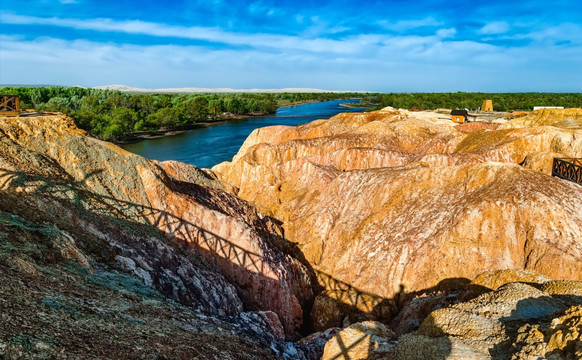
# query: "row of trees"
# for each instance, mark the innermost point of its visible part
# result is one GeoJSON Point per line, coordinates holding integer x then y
{"type": "Point", "coordinates": [473, 101]}
{"type": "Point", "coordinates": [113, 115]}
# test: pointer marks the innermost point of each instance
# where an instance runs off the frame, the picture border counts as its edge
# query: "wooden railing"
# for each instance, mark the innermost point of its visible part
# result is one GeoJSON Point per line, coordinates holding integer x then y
{"type": "Point", "coordinates": [9, 105]}
{"type": "Point", "coordinates": [568, 169]}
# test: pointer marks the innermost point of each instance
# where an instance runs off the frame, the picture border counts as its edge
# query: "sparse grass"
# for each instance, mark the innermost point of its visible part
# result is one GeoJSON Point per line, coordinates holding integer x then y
{"type": "Point", "coordinates": [16, 221]}
{"type": "Point", "coordinates": [113, 281]}
{"type": "Point", "coordinates": [132, 320]}
{"type": "Point", "coordinates": [21, 340]}
{"type": "Point", "coordinates": [62, 304]}
{"type": "Point", "coordinates": [36, 241]}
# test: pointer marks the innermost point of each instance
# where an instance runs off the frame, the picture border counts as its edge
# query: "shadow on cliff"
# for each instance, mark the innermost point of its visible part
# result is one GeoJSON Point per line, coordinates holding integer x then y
{"type": "Point", "coordinates": [406, 310]}
{"type": "Point", "coordinates": [250, 272]}
{"type": "Point", "coordinates": [234, 262]}
{"type": "Point", "coordinates": [539, 313]}
{"type": "Point", "coordinates": [360, 305]}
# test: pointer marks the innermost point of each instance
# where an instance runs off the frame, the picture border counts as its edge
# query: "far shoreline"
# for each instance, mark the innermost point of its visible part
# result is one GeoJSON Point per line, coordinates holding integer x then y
{"type": "Point", "coordinates": [157, 134]}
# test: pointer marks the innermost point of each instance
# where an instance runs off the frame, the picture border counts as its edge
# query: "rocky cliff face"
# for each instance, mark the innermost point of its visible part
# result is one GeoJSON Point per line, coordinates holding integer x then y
{"type": "Point", "coordinates": [527, 316]}
{"type": "Point", "coordinates": [394, 215]}
{"type": "Point", "coordinates": [65, 293]}
{"type": "Point", "coordinates": [518, 321]}
{"type": "Point", "coordinates": [169, 225]}
{"type": "Point", "coordinates": [389, 203]}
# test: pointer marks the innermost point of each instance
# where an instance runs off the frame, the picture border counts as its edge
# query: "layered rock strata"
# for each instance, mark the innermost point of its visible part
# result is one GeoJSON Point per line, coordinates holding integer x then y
{"type": "Point", "coordinates": [390, 202]}
{"type": "Point", "coordinates": [517, 321]}
{"type": "Point", "coordinates": [64, 293]}
{"type": "Point", "coordinates": [47, 158]}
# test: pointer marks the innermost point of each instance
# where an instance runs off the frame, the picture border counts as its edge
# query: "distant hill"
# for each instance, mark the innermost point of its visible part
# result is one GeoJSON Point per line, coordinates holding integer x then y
{"type": "Point", "coordinates": [125, 88]}
{"type": "Point", "coordinates": [27, 85]}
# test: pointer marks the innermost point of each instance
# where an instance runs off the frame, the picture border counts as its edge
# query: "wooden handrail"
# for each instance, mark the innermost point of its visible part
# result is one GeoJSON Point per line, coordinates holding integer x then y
{"type": "Point", "coordinates": [9, 105]}
{"type": "Point", "coordinates": [568, 169]}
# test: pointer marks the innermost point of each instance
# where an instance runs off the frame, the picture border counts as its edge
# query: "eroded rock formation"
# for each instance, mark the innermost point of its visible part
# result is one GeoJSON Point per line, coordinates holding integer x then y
{"type": "Point", "coordinates": [222, 256]}
{"type": "Point", "coordinates": [390, 202]}
{"type": "Point", "coordinates": [396, 216]}
{"type": "Point", "coordinates": [361, 341]}
{"type": "Point", "coordinates": [517, 321]}
{"type": "Point", "coordinates": [523, 316]}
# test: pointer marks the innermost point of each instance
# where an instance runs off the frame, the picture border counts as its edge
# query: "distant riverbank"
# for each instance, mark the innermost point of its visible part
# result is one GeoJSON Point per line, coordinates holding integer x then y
{"type": "Point", "coordinates": [156, 134]}
{"type": "Point", "coordinates": [211, 143]}
{"type": "Point", "coordinates": [357, 105]}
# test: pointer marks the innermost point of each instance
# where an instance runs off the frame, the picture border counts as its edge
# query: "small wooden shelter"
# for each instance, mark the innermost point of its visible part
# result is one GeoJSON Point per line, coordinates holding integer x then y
{"type": "Point", "coordinates": [9, 105]}
{"type": "Point", "coordinates": [459, 116]}
{"type": "Point", "coordinates": [487, 105]}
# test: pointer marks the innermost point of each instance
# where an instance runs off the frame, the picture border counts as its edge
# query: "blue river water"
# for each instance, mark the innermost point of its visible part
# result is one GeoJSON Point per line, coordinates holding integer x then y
{"type": "Point", "coordinates": [206, 147]}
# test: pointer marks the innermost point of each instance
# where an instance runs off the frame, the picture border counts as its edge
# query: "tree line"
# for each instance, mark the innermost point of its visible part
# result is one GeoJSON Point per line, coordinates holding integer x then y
{"type": "Point", "coordinates": [473, 101]}
{"type": "Point", "coordinates": [114, 115]}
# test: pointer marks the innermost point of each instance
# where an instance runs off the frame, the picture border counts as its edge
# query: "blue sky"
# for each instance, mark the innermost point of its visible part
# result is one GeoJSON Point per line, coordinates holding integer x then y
{"type": "Point", "coordinates": [342, 45]}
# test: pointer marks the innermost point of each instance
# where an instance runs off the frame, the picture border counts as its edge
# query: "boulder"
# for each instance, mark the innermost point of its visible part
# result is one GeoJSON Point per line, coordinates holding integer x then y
{"type": "Point", "coordinates": [315, 343]}
{"type": "Point", "coordinates": [359, 341]}
{"type": "Point", "coordinates": [516, 321]}
{"type": "Point", "coordinates": [496, 278]}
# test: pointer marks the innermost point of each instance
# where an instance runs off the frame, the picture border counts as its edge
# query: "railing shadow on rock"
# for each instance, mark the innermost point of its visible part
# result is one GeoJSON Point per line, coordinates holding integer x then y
{"type": "Point", "coordinates": [191, 236]}
{"type": "Point", "coordinates": [568, 169]}
{"type": "Point", "coordinates": [174, 228]}
{"type": "Point", "coordinates": [196, 238]}
{"type": "Point", "coordinates": [366, 302]}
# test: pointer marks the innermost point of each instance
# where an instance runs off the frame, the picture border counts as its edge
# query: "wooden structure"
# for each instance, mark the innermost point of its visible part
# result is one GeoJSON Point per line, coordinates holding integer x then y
{"type": "Point", "coordinates": [487, 105]}
{"type": "Point", "coordinates": [9, 105]}
{"type": "Point", "coordinates": [511, 114]}
{"type": "Point", "coordinates": [568, 169]}
{"type": "Point", "coordinates": [460, 116]}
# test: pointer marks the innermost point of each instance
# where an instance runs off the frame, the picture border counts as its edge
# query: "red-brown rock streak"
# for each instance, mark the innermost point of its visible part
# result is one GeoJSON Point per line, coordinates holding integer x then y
{"type": "Point", "coordinates": [391, 201]}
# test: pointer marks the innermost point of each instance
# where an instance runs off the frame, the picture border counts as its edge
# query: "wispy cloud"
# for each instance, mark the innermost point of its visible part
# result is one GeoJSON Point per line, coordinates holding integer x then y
{"type": "Point", "coordinates": [497, 27]}
{"type": "Point", "coordinates": [349, 45]}
{"type": "Point", "coordinates": [404, 25]}
{"type": "Point", "coordinates": [193, 32]}
{"type": "Point", "coordinates": [420, 45]}
{"type": "Point", "coordinates": [387, 64]}
{"type": "Point", "coordinates": [563, 32]}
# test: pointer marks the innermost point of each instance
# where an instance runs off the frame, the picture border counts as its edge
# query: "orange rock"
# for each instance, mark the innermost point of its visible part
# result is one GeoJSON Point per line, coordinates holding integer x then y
{"type": "Point", "coordinates": [188, 207]}
{"type": "Point", "coordinates": [386, 200]}
{"type": "Point", "coordinates": [494, 279]}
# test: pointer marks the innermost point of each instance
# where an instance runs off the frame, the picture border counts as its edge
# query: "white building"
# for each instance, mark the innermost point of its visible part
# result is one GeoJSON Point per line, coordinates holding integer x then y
{"type": "Point", "coordinates": [547, 107]}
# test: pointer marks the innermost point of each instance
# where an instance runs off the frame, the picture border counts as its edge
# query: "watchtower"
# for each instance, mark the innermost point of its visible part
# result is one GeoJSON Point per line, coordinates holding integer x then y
{"type": "Point", "coordinates": [9, 105]}
{"type": "Point", "coordinates": [487, 105]}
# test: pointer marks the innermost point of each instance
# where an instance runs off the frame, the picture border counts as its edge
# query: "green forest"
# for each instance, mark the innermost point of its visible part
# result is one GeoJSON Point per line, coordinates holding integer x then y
{"type": "Point", "coordinates": [473, 101]}
{"type": "Point", "coordinates": [114, 115]}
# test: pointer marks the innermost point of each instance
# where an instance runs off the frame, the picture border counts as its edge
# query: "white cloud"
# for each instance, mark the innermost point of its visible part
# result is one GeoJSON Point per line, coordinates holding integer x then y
{"type": "Point", "coordinates": [436, 62]}
{"type": "Point", "coordinates": [259, 8]}
{"type": "Point", "coordinates": [275, 41]}
{"type": "Point", "coordinates": [494, 28]}
{"type": "Point", "coordinates": [446, 33]}
{"type": "Point", "coordinates": [563, 32]}
{"type": "Point", "coordinates": [405, 25]}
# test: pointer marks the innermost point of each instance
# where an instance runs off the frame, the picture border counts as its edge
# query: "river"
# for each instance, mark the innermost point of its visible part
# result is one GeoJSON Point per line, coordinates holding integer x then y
{"type": "Point", "coordinates": [206, 147]}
